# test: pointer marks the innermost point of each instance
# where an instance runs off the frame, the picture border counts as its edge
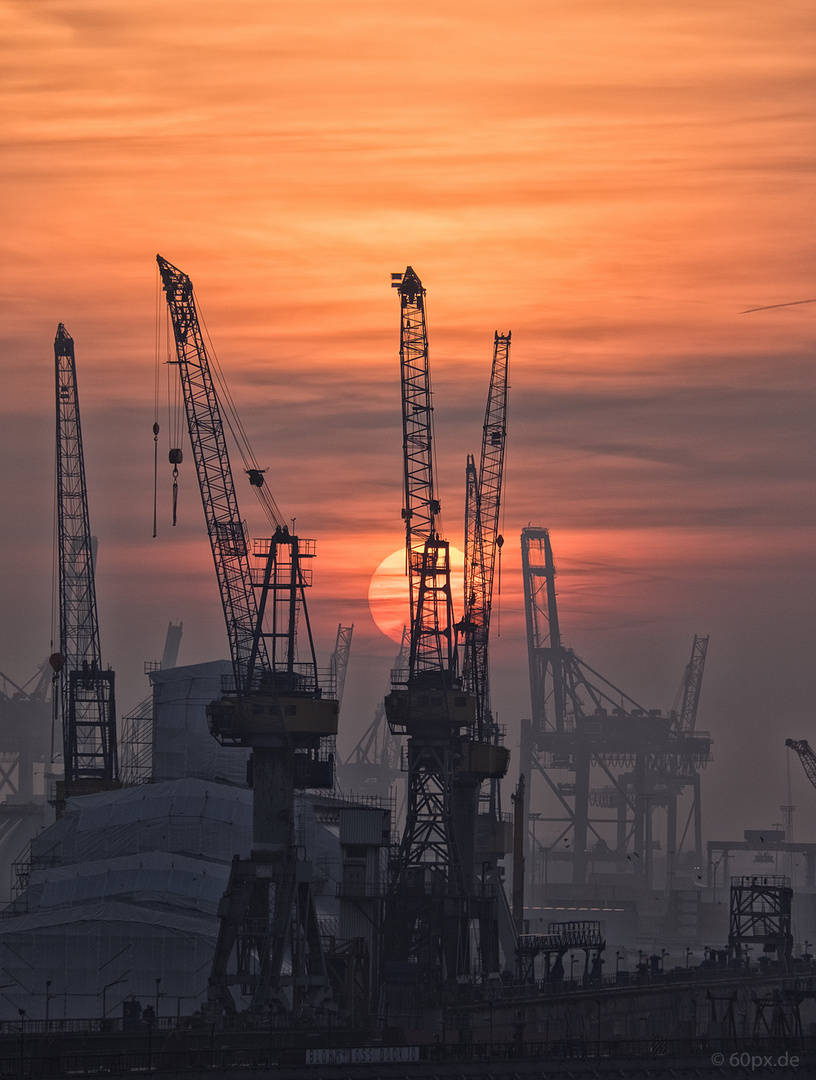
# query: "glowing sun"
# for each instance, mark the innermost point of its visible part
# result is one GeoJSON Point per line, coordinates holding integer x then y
{"type": "Point", "coordinates": [388, 591]}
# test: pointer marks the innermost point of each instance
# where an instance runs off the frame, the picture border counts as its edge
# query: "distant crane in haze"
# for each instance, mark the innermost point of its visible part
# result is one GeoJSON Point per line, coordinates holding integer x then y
{"type": "Point", "coordinates": [87, 699]}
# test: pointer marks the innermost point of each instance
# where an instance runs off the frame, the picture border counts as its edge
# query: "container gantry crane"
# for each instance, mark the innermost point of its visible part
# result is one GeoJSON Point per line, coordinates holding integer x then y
{"type": "Point", "coordinates": [87, 697]}
{"type": "Point", "coordinates": [580, 720]}
{"type": "Point", "coordinates": [681, 769]}
{"type": "Point", "coordinates": [277, 705]}
{"type": "Point", "coordinates": [432, 897]}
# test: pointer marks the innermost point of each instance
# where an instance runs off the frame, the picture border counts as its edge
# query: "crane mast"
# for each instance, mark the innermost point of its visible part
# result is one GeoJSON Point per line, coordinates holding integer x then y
{"type": "Point", "coordinates": [482, 539]}
{"type": "Point", "coordinates": [428, 557]}
{"type": "Point", "coordinates": [429, 704]}
{"type": "Point", "coordinates": [86, 690]}
{"type": "Point", "coordinates": [277, 707]}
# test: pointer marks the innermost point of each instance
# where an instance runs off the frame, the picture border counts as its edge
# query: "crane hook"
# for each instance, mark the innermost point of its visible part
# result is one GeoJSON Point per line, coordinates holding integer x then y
{"type": "Point", "coordinates": [176, 458]}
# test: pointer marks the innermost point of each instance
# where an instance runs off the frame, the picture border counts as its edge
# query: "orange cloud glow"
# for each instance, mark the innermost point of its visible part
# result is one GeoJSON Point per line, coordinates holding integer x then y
{"type": "Point", "coordinates": [612, 183]}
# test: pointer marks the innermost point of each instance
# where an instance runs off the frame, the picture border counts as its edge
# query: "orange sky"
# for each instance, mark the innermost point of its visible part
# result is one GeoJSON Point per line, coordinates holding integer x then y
{"type": "Point", "coordinates": [612, 183]}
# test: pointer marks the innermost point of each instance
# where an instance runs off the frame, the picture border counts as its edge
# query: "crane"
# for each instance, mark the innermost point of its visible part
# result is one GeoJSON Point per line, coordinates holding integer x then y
{"type": "Point", "coordinates": [680, 767]}
{"type": "Point", "coordinates": [482, 539]}
{"type": "Point", "coordinates": [806, 756]}
{"type": "Point", "coordinates": [691, 686]}
{"type": "Point", "coordinates": [87, 697]}
{"type": "Point", "coordinates": [340, 658]}
{"type": "Point", "coordinates": [277, 704]}
{"type": "Point", "coordinates": [483, 544]}
{"type": "Point", "coordinates": [430, 705]}
{"type": "Point", "coordinates": [426, 702]}
{"type": "Point", "coordinates": [580, 720]}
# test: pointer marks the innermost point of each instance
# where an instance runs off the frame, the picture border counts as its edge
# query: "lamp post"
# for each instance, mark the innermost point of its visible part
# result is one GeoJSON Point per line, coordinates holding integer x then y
{"type": "Point", "coordinates": [47, 1001]}
{"type": "Point", "coordinates": [22, 1013]}
{"type": "Point", "coordinates": [158, 984]}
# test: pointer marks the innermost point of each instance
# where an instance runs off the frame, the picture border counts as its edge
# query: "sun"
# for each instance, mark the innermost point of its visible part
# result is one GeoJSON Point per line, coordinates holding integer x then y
{"type": "Point", "coordinates": [388, 591]}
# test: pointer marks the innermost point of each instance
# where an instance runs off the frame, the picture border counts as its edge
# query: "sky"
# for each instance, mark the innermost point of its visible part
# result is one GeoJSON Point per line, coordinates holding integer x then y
{"type": "Point", "coordinates": [614, 183]}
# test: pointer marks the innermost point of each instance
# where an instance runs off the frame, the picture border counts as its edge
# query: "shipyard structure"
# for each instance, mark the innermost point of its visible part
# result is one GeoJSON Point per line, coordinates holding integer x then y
{"type": "Point", "coordinates": [215, 874]}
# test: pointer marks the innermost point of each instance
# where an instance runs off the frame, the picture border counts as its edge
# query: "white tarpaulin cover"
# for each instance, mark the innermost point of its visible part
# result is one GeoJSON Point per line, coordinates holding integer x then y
{"type": "Point", "coordinates": [124, 889]}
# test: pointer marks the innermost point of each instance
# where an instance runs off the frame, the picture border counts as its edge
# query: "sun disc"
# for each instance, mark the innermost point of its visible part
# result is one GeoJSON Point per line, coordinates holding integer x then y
{"type": "Point", "coordinates": [388, 598]}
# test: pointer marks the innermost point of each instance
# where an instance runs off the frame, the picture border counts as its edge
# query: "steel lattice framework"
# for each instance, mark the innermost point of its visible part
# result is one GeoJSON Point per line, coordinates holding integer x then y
{"type": "Point", "coordinates": [227, 533]}
{"type": "Point", "coordinates": [427, 702]}
{"type": "Point", "coordinates": [421, 507]}
{"type": "Point", "coordinates": [268, 914]}
{"type": "Point", "coordinates": [432, 645]}
{"type": "Point", "coordinates": [692, 684]}
{"type": "Point", "coordinates": [86, 691]}
{"type": "Point", "coordinates": [806, 756]}
{"type": "Point", "coordinates": [482, 539]}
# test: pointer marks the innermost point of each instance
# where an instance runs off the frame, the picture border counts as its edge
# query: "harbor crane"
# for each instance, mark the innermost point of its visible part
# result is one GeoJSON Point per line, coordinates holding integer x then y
{"type": "Point", "coordinates": [482, 539]}
{"type": "Point", "coordinates": [483, 544]}
{"type": "Point", "coordinates": [277, 704]}
{"type": "Point", "coordinates": [806, 756]}
{"type": "Point", "coordinates": [86, 688]}
{"type": "Point", "coordinates": [432, 898]}
{"type": "Point", "coordinates": [581, 720]}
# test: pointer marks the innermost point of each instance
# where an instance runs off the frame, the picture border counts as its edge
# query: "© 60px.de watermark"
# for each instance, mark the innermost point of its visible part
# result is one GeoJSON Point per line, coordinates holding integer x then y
{"type": "Point", "coordinates": [752, 1062]}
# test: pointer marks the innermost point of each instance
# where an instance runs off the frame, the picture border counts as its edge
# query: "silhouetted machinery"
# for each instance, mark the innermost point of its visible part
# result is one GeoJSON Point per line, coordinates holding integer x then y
{"type": "Point", "coordinates": [87, 698]}
{"type": "Point", "coordinates": [581, 721]}
{"type": "Point", "coordinates": [432, 897]}
{"type": "Point", "coordinates": [483, 544]}
{"type": "Point", "coordinates": [806, 756]}
{"type": "Point", "coordinates": [269, 942]}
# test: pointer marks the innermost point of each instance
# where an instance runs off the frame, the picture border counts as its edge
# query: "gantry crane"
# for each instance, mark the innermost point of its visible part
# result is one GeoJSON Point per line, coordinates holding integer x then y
{"type": "Point", "coordinates": [277, 704]}
{"type": "Point", "coordinates": [87, 697]}
{"type": "Point", "coordinates": [432, 896]}
{"type": "Point", "coordinates": [580, 720]}
{"type": "Point", "coordinates": [680, 768]}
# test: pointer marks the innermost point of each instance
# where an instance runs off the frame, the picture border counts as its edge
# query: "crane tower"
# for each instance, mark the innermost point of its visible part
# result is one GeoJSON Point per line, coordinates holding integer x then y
{"type": "Point", "coordinates": [432, 898]}
{"type": "Point", "coordinates": [87, 697]}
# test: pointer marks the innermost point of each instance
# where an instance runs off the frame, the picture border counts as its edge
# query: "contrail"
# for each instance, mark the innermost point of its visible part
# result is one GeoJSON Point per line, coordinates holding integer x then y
{"type": "Point", "coordinates": [791, 303]}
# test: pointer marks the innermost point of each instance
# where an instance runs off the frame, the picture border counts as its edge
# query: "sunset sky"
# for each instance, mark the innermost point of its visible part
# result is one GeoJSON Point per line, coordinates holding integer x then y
{"type": "Point", "coordinates": [613, 183]}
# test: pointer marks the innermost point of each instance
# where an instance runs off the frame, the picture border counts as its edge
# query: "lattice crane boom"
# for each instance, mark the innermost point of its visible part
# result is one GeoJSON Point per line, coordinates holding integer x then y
{"type": "Point", "coordinates": [86, 690]}
{"type": "Point", "coordinates": [432, 634]}
{"type": "Point", "coordinates": [482, 539]}
{"type": "Point", "coordinates": [228, 539]}
{"type": "Point", "coordinates": [806, 756]}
